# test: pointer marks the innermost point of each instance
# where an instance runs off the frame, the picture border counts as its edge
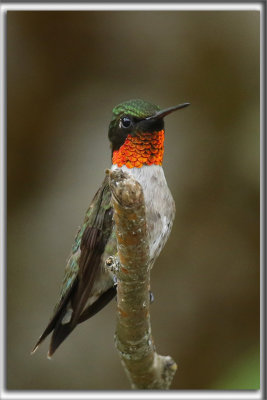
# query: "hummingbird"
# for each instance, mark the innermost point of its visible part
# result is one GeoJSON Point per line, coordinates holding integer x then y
{"type": "Point", "coordinates": [136, 134]}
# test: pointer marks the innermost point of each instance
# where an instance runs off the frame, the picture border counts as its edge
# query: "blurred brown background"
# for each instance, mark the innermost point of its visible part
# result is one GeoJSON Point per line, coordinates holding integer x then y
{"type": "Point", "coordinates": [65, 72]}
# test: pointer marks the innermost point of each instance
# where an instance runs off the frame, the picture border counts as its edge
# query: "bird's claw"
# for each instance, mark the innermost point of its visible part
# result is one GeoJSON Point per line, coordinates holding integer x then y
{"type": "Point", "coordinates": [151, 297]}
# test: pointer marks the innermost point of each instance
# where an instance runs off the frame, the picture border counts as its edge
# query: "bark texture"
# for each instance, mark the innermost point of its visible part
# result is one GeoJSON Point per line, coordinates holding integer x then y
{"type": "Point", "coordinates": [145, 368]}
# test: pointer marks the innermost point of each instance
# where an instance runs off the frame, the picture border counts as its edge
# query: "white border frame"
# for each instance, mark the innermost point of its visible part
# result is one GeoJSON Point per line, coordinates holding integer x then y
{"type": "Point", "coordinates": [131, 6]}
{"type": "Point", "coordinates": [186, 395]}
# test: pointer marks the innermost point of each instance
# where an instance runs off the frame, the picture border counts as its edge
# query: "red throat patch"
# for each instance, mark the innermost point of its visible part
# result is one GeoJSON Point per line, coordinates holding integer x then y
{"type": "Point", "coordinates": [145, 148]}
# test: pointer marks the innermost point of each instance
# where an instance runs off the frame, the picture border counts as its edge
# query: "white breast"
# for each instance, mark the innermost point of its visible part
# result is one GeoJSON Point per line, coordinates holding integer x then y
{"type": "Point", "coordinates": [160, 206]}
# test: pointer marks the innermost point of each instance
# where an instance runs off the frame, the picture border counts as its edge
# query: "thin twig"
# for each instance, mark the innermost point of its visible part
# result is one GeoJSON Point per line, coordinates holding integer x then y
{"type": "Point", "coordinates": [145, 368]}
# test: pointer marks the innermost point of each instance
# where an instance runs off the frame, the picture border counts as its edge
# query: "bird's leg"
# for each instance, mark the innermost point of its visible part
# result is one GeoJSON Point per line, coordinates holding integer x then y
{"type": "Point", "coordinates": [112, 265]}
{"type": "Point", "coordinates": [151, 297]}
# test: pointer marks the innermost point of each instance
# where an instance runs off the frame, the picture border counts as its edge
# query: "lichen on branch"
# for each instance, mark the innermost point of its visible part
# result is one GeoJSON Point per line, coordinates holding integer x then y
{"type": "Point", "coordinates": [133, 339]}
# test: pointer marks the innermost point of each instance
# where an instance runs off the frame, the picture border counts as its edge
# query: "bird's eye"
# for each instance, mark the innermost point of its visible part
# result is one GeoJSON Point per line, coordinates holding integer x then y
{"type": "Point", "coordinates": [126, 122]}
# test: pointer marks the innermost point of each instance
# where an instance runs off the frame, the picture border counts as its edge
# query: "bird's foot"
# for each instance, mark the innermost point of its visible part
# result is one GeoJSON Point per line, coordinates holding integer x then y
{"type": "Point", "coordinates": [151, 297]}
{"type": "Point", "coordinates": [112, 265]}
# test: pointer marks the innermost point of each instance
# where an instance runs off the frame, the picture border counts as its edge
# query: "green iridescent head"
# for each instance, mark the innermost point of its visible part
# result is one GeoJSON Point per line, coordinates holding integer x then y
{"type": "Point", "coordinates": [135, 116]}
{"type": "Point", "coordinates": [136, 108]}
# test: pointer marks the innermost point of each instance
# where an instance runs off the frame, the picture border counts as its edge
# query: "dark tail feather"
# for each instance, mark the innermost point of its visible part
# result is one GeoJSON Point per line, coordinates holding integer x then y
{"type": "Point", "coordinates": [50, 327]}
{"type": "Point", "coordinates": [100, 303]}
{"type": "Point", "coordinates": [57, 317]}
{"type": "Point", "coordinates": [61, 331]}
{"type": "Point", "coordinates": [48, 330]}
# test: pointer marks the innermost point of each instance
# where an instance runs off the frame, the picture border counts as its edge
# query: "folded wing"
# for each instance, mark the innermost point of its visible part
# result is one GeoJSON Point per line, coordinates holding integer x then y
{"type": "Point", "coordinates": [81, 272]}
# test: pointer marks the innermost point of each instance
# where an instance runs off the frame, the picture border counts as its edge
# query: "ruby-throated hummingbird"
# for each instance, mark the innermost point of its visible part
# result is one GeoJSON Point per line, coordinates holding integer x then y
{"type": "Point", "coordinates": [136, 133]}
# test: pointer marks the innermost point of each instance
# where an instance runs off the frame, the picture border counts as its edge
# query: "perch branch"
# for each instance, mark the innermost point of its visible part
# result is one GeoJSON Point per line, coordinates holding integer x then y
{"type": "Point", "coordinates": [144, 367]}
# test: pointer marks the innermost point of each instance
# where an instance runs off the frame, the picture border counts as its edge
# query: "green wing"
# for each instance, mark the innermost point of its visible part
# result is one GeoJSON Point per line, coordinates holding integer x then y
{"type": "Point", "coordinates": [81, 269]}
